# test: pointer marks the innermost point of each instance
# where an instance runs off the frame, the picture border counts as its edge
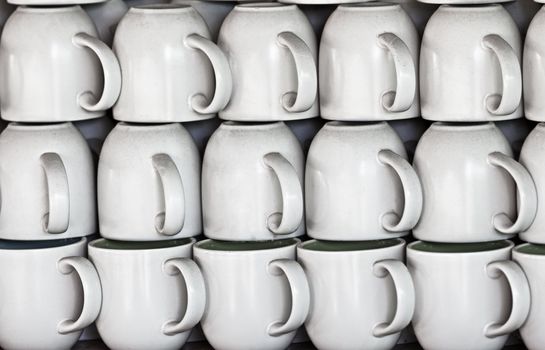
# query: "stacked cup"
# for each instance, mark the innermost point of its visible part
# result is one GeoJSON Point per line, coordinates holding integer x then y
{"type": "Point", "coordinates": [149, 178]}
{"type": "Point", "coordinates": [362, 195]}
{"type": "Point", "coordinates": [55, 71]}
{"type": "Point", "coordinates": [531, 255]}
{"type": "Point", "coordinates": [476, 196]}
{"type": "Point", "coordinates": [252, 185]}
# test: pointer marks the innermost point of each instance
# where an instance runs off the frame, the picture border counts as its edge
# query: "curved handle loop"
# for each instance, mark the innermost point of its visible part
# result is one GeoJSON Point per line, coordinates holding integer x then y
{"type": "Point", "coordinates": [92, 293]}
{"type": "Point", "coordinates": [307, 77]}
{"type": "Point", "coordinates": [527, 195]}
{"type": "Point", "coordinates": [112, 74]}
{"type": "Point", "coordinates": [404, 296]}
{"type": "Point", "coordinates": [196, 294]}
{"type": "Point", "coordinates": [289, 220]}
{"type": "Point", "coordinates": [520, 292]}
{"type": "Point", "coordinates": [300, 296]}
{"type": "Point", "coordinates": [57, 218]}
{"type": "Point", "coordinates": [402, 98]}
{"type": "Point", "coordinates": [509, 100]}
{"type": "Point", "coordinates": [412, 191]}
{"type": "Point", "coordinates": [171, 220]}
{"type": "Point", "coordinates": [222, 73]}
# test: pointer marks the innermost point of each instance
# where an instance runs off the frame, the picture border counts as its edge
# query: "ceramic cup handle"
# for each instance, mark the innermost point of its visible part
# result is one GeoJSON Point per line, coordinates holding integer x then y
{"type": "Point", "coordinates": [527, 195]}
{"type": "Point", "coordinates": [300, 296]}
{"type": "Point", "coordinates": [222, 73]}
{"type": "Point", "coordinates": [57, 218]}
{"type": "Point", "coordinates": [412, 191]}
{"type": "Point", "coordinates": [520, 292]}
{"type": "Point", "coordinates": [196, 294]}
{"type": "Point", "coordinates": [92, 293]}
{"type": "Point", "coordinates": [307, 77]}
{"type": "Point", "coordinates": [511, 75]}
{"type": "Point", "coordinates": [289, 220]}
{"type": "Point", "coordinates": [170, 221]}
{"type": "Point", "coordinates": [404, 295]}
{"type": "Point", "coordinates": [402, 98]}
{"type": "Point", "coordinates": [110, 68]}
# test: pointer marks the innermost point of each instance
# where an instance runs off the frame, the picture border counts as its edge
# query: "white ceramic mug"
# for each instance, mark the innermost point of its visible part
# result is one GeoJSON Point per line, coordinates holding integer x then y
{"type": "Point", "coordinates": [149, 183]}
{"type": "Point", "coordinates": [44, 306]}
{"type": "Point", "coordinates": [531, 156]}
{"type": "Point", "coordinates": [359, 185]}
{"type": "Point", "coordinates": [534, 69]}
{"type": "Point", "coordinates": [470, 65]}
{"type": "Point", "coordinates": [153, 294]}
{"type": "Point", "coordinates": [273, 53]}
{"type": "Point", "coordinates": [47, 180]}
{"type": "Point", "coordinates": [531, 258]}
{"type": "Point", "coordinates": [361, 293]}
{"type": "Point", "coordinates": [54, 68]}
{"type": "Point", "coordinates": [257, 295]}
{"type": "Point", "coordinates": [468, 296]}
{"type": "Point", "coordinates": [252, 183]}
{"type": "Point", "coordinates": [372, 75]}
{"type": "Point", "coordinates": [474, 191]}
{"type": "Point", "coordinates": [172, 71]}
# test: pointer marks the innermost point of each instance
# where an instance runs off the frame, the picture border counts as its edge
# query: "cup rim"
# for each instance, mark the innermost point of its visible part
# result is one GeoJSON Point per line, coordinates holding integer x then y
{"type": "Point", "coordinates": [167, 8]}
{"type": "Point", "coordinates": [470, 7]}
{"type": "Point", "coordinates": [72, 241]}
{"type": "Point", "coordinates": [506, 245]}
{"type": "Point", "coordinates": [39, 126]}
{"type": "Point", "coordinates": [159, 245]}
{"type": "Point", "coordinates": [517, 251]}
{"type": "Point", "coordinates": [463, 126]}
{"type": "Point", "coordinates": [352, 125]}
{"type": "Point", "coordinates": [397, 243]}
{"type": "Point", "coordinates": [235, 125]}
{"type": "Point", "coordinates": [145, 127]}
{"type": "Point", "coordinates": [282, 245]}
{"type": "Point", "coordinates": [49, 9]}
{"type": "Point", "coordinates": [368, 6]}
{"type": "Point", "coordinates": [264, 7]}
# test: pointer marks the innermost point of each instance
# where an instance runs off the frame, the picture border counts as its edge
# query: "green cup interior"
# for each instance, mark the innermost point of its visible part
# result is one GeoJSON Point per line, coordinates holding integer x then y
{"type": "Point", "coordinates": [245, 246]}
{"type": "Point", "coordinates": [459, 247]}
{"type": "Point", "coordinates": [22, 245]}
{"type": "Point", "coordinates": [533, 249]}
{"type": "Point", "coordinates": [337, 246]}
{"type": "Point", "coordinates": [122, 245]}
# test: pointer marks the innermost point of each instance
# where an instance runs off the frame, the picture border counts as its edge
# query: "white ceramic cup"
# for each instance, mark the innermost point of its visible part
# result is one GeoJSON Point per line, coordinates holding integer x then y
{"type": "Point", "coordinates": [252, 183]}
{"type": "Point", "coordinates": [361, 293]}
{"type": "Point", "coordinates": [531, 258]}
{"type": "Point", "coordinates": [149, 183]}
{"type": "Point", "coordinates": [44, 306]}
{"type": "Point", "coordinates": [359, 185]}
{"type": "Point", "coordinates": [470, 65]}
{"type": "Point", "coordinates": [272, 52]}
{"type": "Point", "coordinates": [171, 70]}
{"type": "Point", "coordinates": [47, 180]}
{"type": "Point", "coordinates": [372, 75]}
{"type": "Point", "coordinates": [153, 294]}
{"type": "Point", "coordinates": [54, 68]}
{"type": "Point", "coordinates": [531, 157]}
{"type": "Point", "coordinates": [534, 69]}
{"type": "Point", "coordinates": [257, 295]}
{"type": "Point", "coordinates": [468, 296]}
{"type": "Point", "coordinates": [474, 191]}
